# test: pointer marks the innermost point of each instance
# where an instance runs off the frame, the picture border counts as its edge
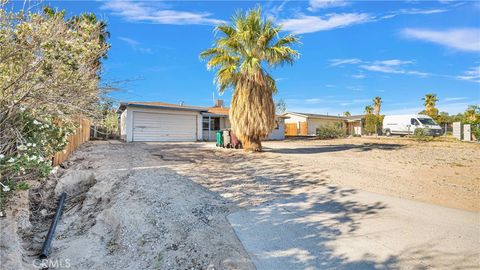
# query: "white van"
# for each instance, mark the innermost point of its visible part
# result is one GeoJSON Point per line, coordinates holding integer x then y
{"type": "Point", "coordinates": [406, 124]}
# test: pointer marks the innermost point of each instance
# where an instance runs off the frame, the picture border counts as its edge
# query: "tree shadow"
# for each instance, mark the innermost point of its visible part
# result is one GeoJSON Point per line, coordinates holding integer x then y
{"type": "Point", "coordinates": [335, 148]}
{"type": "Point", "coordinates": [283, 198]}
{"type": "Point", "coordinates": [327, 231]}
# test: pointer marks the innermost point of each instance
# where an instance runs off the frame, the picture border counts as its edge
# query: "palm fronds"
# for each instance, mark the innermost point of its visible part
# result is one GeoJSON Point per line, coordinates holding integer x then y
{"type": "Point", "coordinates": [240, 55]}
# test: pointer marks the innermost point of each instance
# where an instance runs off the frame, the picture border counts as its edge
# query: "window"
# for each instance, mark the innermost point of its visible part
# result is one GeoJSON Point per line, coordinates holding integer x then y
{"type": "Point", "coordinates": [276, 124]}
{"type": "Point", "coordinates": [428, 121]}
{"type": "Point", "coordinates": [414, 122]}
{"type": "Point", "coordinates": [214, 123]}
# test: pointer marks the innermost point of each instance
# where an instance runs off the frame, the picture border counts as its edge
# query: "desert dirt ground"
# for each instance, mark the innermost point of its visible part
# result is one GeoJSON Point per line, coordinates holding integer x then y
{"type": "Point", "coordinates": [438, 172]}
{"type": "Point", "coordinates": [164, 205]}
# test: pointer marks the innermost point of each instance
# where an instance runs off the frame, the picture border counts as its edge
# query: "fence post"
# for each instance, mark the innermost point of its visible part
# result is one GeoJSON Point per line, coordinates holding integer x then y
{"type": "Point", "coordinates": [82, 134]}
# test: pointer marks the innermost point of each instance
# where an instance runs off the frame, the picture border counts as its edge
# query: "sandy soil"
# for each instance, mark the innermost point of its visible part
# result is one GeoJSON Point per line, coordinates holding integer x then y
{"type": "Point", "coordinates": [443, 173]}
{"type": "Point", "coordinates": [127, 210]}
{"type": "Point", "coordinates": [164, 205]}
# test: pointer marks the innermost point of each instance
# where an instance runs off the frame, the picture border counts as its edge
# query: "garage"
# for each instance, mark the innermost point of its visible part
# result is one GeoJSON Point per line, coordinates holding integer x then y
{"type": "Point", "coordinates": [160, 122]}
{"type": "Point", "coordinates": [164, 127]}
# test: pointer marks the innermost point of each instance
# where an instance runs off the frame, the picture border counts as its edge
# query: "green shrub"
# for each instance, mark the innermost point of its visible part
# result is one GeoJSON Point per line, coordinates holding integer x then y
{"type": "Point", "coordinates": [475, 129]}
{"type": "Point", "coordinates": [330, 132]}
{"type": "Point", "coordinates": [111, 124]}
{"type": "Point", "coordinates": [420, 135]}
{"type": "Point", "coordinates": [28, 156]}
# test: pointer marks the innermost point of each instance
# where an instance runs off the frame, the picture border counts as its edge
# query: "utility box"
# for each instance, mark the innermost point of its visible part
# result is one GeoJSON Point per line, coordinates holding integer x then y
{"type": "Point", "coordinates": [467, 133]}
{"type": "Point", "coordinates": [457, 130]}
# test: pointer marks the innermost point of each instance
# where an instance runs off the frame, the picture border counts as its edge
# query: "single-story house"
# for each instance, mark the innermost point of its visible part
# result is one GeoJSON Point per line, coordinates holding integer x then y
{"type": "Point", "coordinates": [159, 121]}
{"type": "Point", "coordinates": [306, 124]}
{"type": "Point", "coordinates": [354, 124]}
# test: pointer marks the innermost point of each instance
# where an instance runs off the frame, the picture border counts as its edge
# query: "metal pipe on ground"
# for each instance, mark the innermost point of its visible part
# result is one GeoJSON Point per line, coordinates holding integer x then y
{"type": "Point", "coordinates": [51, 232]}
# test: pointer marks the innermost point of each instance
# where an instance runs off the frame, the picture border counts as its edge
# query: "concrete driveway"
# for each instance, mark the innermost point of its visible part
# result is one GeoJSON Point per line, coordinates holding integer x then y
{"type": "Point", "coordinates": [348, 229]}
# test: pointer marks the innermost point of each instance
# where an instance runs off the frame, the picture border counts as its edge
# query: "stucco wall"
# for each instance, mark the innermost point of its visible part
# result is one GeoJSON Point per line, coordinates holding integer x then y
{"type": "Point", "coordinates": [278, 134]}
{"type": "Point", "coordinates": [295, 118]}
{"type": "Point", "coordinates": [314, 123]}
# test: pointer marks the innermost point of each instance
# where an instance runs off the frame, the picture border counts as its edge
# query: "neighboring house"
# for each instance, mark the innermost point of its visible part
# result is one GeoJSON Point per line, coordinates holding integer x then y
{"type": "Point", "coordinates": [306, 124]}
{"type": "Point", "coordinates": [354, 124]}
{"type": "Point", "coordinates": [158, 121]}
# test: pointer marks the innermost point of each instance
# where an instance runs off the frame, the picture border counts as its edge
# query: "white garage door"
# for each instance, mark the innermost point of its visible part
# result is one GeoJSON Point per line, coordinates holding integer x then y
{"type": "Point", "coordinates": [164, 127]}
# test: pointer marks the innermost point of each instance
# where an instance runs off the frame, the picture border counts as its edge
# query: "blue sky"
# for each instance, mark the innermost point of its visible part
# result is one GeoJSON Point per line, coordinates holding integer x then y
{"type": "Point", "coordinates": [350, 51]}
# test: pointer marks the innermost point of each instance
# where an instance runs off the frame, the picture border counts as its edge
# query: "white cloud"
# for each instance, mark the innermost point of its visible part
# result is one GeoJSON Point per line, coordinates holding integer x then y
{"type": "Point", "coordinates": [414, 11]}
{"type": "Point", "coordinates": [314, 100]}
{"type": "Point", "coordinates": [392, 66]}
{"type": "Point", "coordinates": [454, 98]}
{"type": "Point", "coordinates": [274, 11]}
{"type": "Point", "coordinates": [340, 62]}
{"type": "Point", "coordinates": [393, 62]}
{"type": "Point", "coordinates": [135, 45]}
{"type": "Point", "coordinates": [319, 4]}
{"type": "Point", "coordinates": [471, 75]}
{"type": "Point", "coordinates": [358, 76]}
{"type": "Point", "coordinates": [141, 12]}
{"type": "Point", "coordinates": [129, 41]}
{"type": "Point", "coordinates": [381, 68]}
{"type": "Point", "coordinates": [309, 24]}
{"type": "Point", "coordinates": [355, 88]}
{"type": "Point", "coordinates": [463, 39]}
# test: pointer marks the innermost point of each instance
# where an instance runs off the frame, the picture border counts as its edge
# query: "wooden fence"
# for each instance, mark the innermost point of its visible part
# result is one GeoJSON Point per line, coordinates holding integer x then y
{"type": "Point", "coordinates": [82, 134]}
{"type": "Point", "coordinates": [291, 129]}
{"type": "Point", "coordinates": [296, 129]}
{"type": "Point", "coordinates": [303, 129]}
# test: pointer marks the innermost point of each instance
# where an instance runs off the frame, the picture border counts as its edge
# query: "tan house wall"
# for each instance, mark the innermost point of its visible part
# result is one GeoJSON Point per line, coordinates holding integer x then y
{"type": "Point", "coordinates": [314, 123]}
{"type": "Point", "coordinates": [295, 118]}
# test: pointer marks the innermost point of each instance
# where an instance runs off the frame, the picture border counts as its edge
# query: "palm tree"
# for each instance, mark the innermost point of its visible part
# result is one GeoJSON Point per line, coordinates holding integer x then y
{"type": "Point", "coordinates": [429, 101]}
{"type": "Point", "coordinates": [347, 113]}
{"type": "Point", "coordinates": [368, 109]}
{"type": "Point", "coordinates": [377, 104]}
{"type": "Point", "coordinates": [472, 113]}
{"type": "Point", "coordinates": [242, 52]}
{"type": "Point", "coordinates": [90, 22]}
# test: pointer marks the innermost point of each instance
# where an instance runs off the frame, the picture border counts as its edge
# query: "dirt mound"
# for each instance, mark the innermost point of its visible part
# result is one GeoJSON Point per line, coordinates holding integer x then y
{"type": "Point", "coordinates": [124, 213]}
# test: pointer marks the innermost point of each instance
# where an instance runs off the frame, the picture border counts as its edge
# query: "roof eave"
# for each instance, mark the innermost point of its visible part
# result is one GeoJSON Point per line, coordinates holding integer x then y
{"type": "Point", "coordinates": [162, 107]}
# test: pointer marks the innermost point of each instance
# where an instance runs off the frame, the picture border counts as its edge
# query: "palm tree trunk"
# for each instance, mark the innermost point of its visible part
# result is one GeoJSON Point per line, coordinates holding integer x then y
{"type": "Point", "coordinates": [252, 112]}
{"type": "Point", "coordinates": [252, 144]}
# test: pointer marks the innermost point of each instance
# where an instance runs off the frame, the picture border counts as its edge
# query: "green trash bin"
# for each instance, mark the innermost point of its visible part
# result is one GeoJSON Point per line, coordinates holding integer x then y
{"type": "Point", "coordinates": [219, 138]}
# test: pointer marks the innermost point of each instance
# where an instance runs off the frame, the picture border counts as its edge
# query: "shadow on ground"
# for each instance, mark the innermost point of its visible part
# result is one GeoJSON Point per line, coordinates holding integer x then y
{"type": "Point", "coordinates": [336, 148]}
{"type": "Point", "coordinates": [253, 181]}
{"type": "Point", "coordinates": [325, 232]}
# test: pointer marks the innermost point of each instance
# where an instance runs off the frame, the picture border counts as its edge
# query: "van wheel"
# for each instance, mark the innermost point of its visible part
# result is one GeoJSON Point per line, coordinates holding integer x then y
{"type": "Point", "coordinates": [388, 133]}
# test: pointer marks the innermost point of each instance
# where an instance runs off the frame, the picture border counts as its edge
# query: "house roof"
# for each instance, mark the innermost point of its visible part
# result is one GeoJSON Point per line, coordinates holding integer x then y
{"type": "Point", "coordinates": [314, 115]}
{"type": "Point", "coordinates": [357, 117]}
{"type": "Point", "coordinates": [224, 111]}
{"type": "Point", "coordinates": [160, 105]}
{"type": "Point", "coordinates": [323, 116]}
{"type": "Point", "coordinates": [218, 110]}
